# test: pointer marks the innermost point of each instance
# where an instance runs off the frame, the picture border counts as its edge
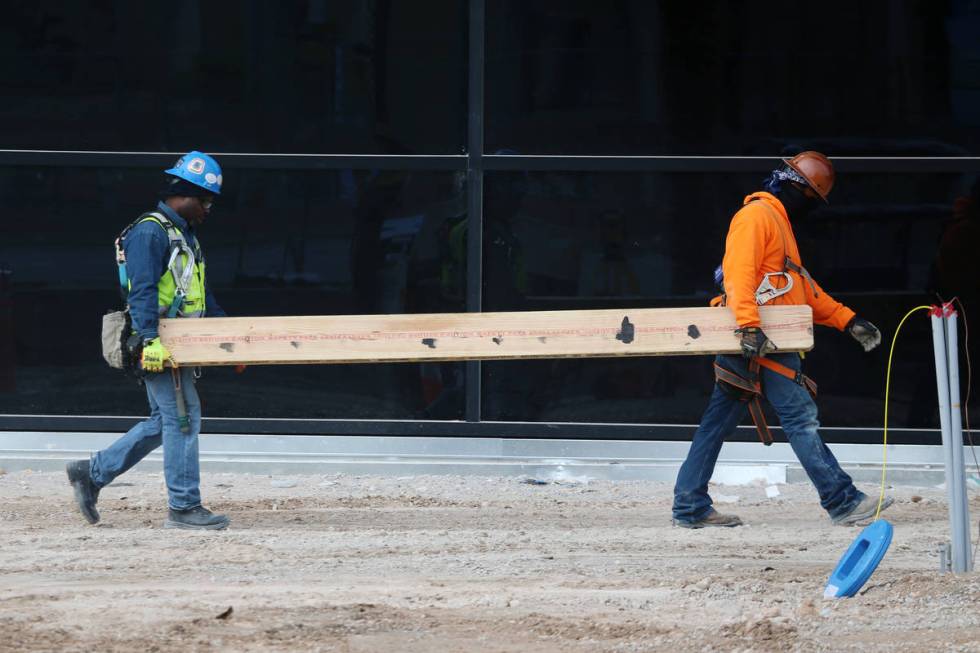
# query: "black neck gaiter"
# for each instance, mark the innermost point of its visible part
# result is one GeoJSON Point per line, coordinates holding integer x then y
{"type": "Point", "coordinates": [797, 205]}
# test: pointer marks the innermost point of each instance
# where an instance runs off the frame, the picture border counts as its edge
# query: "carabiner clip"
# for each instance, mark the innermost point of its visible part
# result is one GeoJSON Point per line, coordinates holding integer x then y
{"type": "Point", "coordinates": [767, 292]}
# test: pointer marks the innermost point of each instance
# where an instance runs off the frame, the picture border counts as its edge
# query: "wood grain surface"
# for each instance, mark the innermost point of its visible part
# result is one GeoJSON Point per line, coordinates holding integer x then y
{"type": "Point", "coordinates": [474, 336]}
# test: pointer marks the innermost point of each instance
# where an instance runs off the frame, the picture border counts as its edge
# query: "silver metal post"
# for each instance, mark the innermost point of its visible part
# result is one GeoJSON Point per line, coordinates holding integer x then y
{"type": "Point", "coordinates": [955, 475]}
{"type": "Point", "coordinates": [942, 389]}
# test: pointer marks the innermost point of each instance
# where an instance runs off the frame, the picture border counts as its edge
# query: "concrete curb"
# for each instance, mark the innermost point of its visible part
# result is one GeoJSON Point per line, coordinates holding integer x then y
{"type": "Point", "coordinates": [739, 463]}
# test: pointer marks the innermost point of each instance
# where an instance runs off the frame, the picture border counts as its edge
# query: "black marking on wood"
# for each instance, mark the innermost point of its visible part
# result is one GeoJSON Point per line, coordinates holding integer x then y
{"type": "Point", "coordinates": [228, 346]}
{"type": "Point", "coordinates": [429, 342]}
{"type": "Point", "coordinates": [693, 332]}
{"type": "Point", "coordinates": [626, 331]}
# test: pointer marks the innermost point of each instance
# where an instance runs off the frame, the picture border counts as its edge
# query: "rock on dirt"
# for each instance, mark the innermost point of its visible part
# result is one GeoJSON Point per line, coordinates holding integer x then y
{"type": "Point", "coordinates": [447, 563]}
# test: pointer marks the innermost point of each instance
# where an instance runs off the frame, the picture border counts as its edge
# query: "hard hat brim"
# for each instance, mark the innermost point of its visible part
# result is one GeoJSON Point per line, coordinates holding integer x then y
{"type": "Point", "coordinates": [820, 194]}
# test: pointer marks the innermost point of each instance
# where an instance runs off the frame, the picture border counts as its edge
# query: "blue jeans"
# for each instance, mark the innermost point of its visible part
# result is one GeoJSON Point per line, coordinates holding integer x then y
{"type": "Point", "coordinates": [798, 415]}
{"type": "Point", "coordinates": [181, 466]}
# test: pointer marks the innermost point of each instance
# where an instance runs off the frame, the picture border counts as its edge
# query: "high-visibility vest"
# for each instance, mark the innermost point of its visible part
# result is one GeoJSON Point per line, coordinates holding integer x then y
{"type": "Point", "coordinates": [180, 291]}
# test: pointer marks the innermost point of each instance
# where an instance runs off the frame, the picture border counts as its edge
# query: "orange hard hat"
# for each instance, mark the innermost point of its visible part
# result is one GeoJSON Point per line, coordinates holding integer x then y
{"type": "Point", "coordinates": [816, 169]}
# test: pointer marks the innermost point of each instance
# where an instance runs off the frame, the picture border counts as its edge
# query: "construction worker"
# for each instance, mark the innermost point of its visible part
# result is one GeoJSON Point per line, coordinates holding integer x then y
{"type": "Point", "coordinates": [162, 273]}
{"type": "Point", "coordinates": [762, 266]}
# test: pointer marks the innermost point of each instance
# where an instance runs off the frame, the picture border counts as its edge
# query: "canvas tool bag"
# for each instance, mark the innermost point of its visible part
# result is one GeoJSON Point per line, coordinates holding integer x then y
{"type": "Point", "coordinates": [120, 348]}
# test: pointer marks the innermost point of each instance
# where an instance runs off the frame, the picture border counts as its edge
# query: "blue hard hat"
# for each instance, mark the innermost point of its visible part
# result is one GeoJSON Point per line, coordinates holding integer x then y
{"type": "Point", "coordinates": [199, 169]}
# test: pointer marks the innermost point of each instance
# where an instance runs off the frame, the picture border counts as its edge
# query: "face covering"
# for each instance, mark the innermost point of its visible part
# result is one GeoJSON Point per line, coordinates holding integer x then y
{"type": "Point", "coordinates": [797, 205]}
{"type": "Point", "coordinates": [783, 184]}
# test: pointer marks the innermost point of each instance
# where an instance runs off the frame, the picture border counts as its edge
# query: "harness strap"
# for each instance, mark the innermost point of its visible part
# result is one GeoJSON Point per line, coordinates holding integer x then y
{"type": "Point", "coordinates": [788, 263]}
{"type": "Point", "coordinates": [802, 271]}
{"type": "Point", "coordinates": [766, 292]}
{"type": "Point", "coordinates": [181, 272]}
{"type": "Point", "coordinates": [797, 376]}
{"type": "Point", "coordinates": [749, 389]}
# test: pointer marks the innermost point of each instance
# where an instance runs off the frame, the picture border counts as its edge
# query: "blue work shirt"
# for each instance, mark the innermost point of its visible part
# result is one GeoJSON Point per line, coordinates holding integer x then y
{"type": "Point", "coordinates": [147, 249]}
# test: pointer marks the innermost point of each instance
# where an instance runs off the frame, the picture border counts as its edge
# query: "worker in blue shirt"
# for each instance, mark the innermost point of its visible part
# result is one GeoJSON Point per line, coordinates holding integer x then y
{"type": "Point", "coordinates": [162, 274]}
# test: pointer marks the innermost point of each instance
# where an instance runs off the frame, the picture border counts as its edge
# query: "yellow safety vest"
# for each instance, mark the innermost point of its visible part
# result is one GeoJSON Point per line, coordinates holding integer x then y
{"type": "Point", "coordinates": [180, 291]}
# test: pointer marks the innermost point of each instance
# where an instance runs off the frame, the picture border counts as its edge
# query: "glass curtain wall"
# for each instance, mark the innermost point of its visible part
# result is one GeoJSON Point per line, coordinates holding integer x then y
{"type": "Point", "coordinates": [306, 76]}
{"type": "Point", "coordinates": [573, 80]}
{"type": "Point", "coordinates": [707, 96]}
{"type": "Point", "coordinates": [246, 81]}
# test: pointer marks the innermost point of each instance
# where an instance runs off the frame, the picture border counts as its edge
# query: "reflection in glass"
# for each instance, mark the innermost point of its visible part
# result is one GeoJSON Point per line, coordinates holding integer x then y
{"type": "Point", "coordinates": [623, 240]}
{"type": "Point", "coordinates": [277, 243]}
{"type": "Point", "coordinates": [341, 76]}
{"type": "Point", "coordinates": [728, 78]}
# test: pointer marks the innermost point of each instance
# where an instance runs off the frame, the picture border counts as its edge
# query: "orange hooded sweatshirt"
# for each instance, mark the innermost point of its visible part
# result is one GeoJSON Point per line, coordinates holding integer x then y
{"type": "Point", "coordinates": [759, 236]}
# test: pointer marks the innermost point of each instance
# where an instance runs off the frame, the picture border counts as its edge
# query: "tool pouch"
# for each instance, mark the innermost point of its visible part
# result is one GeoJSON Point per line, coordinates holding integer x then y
{"type": "Point", "coordinates": [121, 348]}
{"type": "Point", "coordinates": [116, 326]}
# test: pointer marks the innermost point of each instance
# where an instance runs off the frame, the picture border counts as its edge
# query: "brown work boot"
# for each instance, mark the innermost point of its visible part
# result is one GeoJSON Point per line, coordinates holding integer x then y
{"type": "Point", "coordinates": [713, 518]}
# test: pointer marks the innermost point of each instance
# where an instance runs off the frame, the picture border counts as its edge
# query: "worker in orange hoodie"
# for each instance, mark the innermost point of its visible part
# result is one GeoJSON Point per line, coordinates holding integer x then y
{"type": "Point", "coordinates": [762, 266]}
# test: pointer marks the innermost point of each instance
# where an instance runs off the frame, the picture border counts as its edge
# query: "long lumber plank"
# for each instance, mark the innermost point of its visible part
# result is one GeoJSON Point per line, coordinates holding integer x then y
{"type": "Point", "coordinates": [474, 336]}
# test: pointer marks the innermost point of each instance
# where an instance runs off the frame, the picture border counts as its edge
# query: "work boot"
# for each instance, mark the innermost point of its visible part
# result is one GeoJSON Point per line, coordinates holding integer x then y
{"type": "Point", "coordinates": [196, 519]}
{"type": "Point", "coordinates": [86, 492]}
{"type": "Point", "coordinates": [713, 518]}
{"type": "Point", "coordinates": [863, 511]}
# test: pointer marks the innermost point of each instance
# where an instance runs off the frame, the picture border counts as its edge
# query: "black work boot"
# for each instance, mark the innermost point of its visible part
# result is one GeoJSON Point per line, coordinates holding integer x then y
{"type": "Point", "coordinates": [196, 519]}
{"type": "Point", "coordinates": [86, 492]}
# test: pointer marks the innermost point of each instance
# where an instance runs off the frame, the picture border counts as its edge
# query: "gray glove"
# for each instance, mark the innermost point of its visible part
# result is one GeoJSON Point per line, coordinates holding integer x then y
{"type": "Point", "coordinates": [754, 342]}
{"type": "Point", "coordinates": [864, 332]}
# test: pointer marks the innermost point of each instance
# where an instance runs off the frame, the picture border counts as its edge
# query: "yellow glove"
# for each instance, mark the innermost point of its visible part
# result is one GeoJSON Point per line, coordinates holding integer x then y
{"type": "Point", "coordinates": [154, 355]}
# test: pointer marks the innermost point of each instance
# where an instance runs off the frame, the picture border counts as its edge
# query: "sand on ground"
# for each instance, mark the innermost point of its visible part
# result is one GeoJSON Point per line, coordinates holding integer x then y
{"type": "Point", "coordinates": [372, 564]}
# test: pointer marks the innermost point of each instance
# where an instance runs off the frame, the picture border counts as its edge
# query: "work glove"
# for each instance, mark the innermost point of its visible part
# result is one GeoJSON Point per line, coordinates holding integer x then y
{"type": "Point", "coordinates": [754, 342]}
{"type": "Point", "coordinates": [154, 355]}
{"type": "Point", "coordinates": [864, 332]}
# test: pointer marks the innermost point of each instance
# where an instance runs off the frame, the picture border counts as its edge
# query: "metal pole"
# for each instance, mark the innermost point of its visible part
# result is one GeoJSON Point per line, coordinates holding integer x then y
{"type": "Point", "coordinates": [474, 188]}
{"type": "Point", "coordinates": [942, 388]}
{"type": "Point", "coordinates": [956, 477]}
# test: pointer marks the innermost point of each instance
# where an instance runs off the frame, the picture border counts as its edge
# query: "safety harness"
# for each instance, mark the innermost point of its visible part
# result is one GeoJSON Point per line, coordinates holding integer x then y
{"type": "Point", "coordinates": [766, 292]}
{"type": "Point", "coordinates": [180, 263]}
{"type": "Point", "coordinates": [749, 389]}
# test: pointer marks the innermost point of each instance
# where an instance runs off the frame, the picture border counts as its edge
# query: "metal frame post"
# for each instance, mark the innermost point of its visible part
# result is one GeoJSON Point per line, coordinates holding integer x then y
{"type": "Point", "coordinates": [474, 189]}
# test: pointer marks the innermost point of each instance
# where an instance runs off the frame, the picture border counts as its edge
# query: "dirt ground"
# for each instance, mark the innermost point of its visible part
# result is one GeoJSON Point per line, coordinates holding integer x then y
{"type": "Point", "coordinates": [447, 563]}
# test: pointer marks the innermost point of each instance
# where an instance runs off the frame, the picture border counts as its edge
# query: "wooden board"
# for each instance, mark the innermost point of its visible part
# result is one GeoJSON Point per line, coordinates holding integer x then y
{"type": "Point", "coordinates": [473, 336]}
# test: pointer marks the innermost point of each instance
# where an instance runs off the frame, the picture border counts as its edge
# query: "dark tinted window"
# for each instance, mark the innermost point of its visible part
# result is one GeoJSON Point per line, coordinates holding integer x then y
{"type": "Point", "coordinates": [226, 76]}
{"type": "Point", "coordinates": [641, 77]}
{"type": "Point", "coordinates": [277, 243]}
{"type": "Point", "coordinates": [611, 240]}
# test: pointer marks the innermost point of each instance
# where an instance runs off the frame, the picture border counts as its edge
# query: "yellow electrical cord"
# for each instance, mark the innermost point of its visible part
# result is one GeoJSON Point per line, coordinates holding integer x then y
{"type": "Point", "coordinates": [888, 380]}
